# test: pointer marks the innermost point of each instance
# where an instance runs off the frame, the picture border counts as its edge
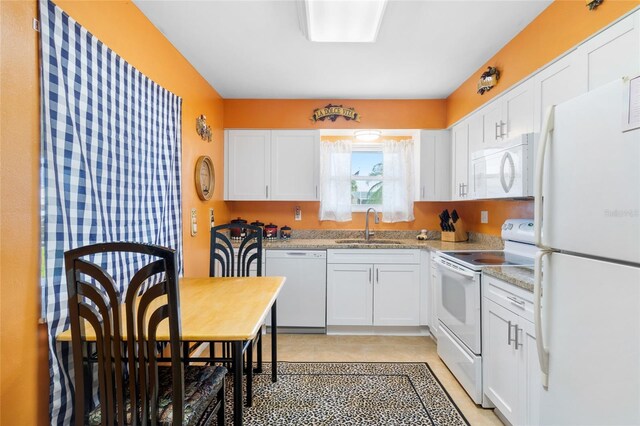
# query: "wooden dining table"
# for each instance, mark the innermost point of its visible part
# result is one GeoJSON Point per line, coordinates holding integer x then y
{"type": "Point", "coordinates": [217, 309]}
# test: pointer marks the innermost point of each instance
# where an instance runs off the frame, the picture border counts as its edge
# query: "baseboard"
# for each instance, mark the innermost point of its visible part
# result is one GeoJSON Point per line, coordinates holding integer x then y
{"type": "Point", "coordinates": [377, 331]}
{"type": "Point", "coordinates": [298, 330]}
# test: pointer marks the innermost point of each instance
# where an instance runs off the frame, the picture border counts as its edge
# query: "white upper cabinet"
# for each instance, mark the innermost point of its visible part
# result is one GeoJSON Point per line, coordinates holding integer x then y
{"type": "Point", "coordinates": [508, 116]}
{"type": "Point", "coordinates": [476, 132]}
{"type": "Point", "coordinates": [247, 165]}
{"type": "Point", "coordinates": [460, 161]}
{"type": "Point", "coordinates": [557, 83]}
{"type": "Point", "coordinates": [612, 54]}
{"type": "Point", "coordinates": [295, 164]}
{"type": "Point", "coordinates": [434, 168]}
{"type": "Point", "coordinates": [272, 165]}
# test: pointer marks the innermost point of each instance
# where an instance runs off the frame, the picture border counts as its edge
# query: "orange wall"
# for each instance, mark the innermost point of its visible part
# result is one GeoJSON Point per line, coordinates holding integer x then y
{"type": "Point", "coordinates": [377, 114]}
{"type": "Point", "coordinates": [122, 27]}
{"type": "Point", "coordinates": [296, 114]}
{"type": "Point", "coordinates": [142, 45]}
{"type": "Point", "coordinates": [426, 215]}
{"type": "Point", "coordinates": [19, 218]}
{"type": "Point", "coordinates": [562, 25]}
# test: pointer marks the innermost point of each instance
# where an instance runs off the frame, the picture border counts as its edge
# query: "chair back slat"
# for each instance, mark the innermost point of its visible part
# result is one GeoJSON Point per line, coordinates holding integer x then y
{"type": "Point", "coordinates": [152, 296]}
{"type": "Point", "coordinates": [223, 256]}
{"type": "Point", "coordinates": [109, 286]}
{"type": "Point", "coordinates": [91, 315]}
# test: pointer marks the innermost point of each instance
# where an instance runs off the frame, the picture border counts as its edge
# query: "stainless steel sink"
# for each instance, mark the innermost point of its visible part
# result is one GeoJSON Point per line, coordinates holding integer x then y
{"type": "Point", "coordinates": [369, 242]}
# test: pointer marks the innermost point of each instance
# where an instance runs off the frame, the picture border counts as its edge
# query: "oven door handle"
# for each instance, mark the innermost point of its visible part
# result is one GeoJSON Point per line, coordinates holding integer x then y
{"type": "Point", "coordinates": [458, 270]}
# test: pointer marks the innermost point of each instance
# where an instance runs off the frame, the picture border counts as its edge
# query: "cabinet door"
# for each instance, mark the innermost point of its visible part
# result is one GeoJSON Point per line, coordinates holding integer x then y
{"type": "Point", "coordinates": [248, 166]}
{"type": "Point", "coordinates": [295, 164]}
{"type": "Point", "coordinates": [435, 166]}
{"type": "Point", "coordinates": [460, 161]}
{"type": "Point", "coordinates": [530, 378]}
{"type": "Point", "coordinates": [517, 110]}
{"type": "Point", "coordinates": [427, 167]}
{"type": "Point", "coordinates": [492, 122]}
{"type": "Point", "coordinates": [476, 132]}
{"type": "Point", "coordinates": [556, 83]}
{"type": "Point", "coordinates": [442, 166]}
{"type": "Point", "coordinates": [612, 54]}
{"type": "Point", "coordinates": [349, 294]}
{"type": "Point", "coordinates": [396, 295]}
{"type": "Point", "coordinates": [500, 359]}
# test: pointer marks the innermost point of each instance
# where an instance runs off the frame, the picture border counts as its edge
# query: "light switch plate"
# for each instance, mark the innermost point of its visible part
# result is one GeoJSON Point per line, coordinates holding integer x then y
{"type": "Point", "coordinates": [484, 216]}
{"type": "Point", "coordinates": [194, 222]}
{"type": "Point", "coordinates": [298, 215]}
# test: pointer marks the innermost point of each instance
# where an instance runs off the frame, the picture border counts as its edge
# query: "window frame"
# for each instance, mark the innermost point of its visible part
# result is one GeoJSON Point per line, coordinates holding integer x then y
{"type": "Point", "coordinates": [366, 147]}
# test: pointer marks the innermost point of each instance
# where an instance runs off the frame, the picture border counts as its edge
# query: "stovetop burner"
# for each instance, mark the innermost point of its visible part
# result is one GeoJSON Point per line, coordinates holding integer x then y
{"type": "Point", "coordinates": [478, 259]}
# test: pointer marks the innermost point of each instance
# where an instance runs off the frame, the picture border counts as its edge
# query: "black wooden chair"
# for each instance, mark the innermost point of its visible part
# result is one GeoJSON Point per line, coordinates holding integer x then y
{"type": "Point", "coordinates": [132, 387]}
{"type": "Point", "coordinates": [225, 261]}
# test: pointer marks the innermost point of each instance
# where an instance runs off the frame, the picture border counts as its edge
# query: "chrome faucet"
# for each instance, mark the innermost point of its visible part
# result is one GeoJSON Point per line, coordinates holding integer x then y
{"type": "Point", "coordinates": [367, 233]}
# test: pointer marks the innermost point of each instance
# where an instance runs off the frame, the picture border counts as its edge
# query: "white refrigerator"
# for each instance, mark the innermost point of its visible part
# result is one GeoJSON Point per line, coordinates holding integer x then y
{"type": "Point", "coordinates": [587, 292]}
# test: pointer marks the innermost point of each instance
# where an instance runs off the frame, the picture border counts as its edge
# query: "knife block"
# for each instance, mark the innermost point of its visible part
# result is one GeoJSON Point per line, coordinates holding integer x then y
{"type": "Point", "coordinates": [460, 234]}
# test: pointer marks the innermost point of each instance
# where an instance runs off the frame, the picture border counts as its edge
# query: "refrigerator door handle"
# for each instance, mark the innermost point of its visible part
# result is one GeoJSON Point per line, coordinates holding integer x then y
{"type": "Point", "coordinates": [547, 127]}
{"type": "Point", "coordinates": [543, 353]}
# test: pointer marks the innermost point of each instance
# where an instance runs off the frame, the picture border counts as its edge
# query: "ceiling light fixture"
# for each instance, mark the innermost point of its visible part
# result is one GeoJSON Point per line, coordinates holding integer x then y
{"type": "Point", "coordinates": [367, 135]}
{"type": "Point", "coordinates": [346, 21]}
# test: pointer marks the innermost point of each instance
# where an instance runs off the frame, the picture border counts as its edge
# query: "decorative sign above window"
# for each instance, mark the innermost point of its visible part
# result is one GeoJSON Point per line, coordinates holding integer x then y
{"type": "Point", "coordinates": [593, 4]}
{"type": "Point", "coordinates": [332, 112]}
{"type": "Point", "coordinates": [488, 79]}
{"type": "Point", "coordinates": [203, 129]}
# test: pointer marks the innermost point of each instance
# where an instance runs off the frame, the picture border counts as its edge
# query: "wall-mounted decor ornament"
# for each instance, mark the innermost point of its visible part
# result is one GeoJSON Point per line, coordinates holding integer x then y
{"type": "Point", "coordinates": [593, 4]}
{"type": "Point", "coordinates": [488, 79]}
{"type": "Point", "coordinates": [203, 129]}
{"type": "Point", "coordinates": [332, 112]}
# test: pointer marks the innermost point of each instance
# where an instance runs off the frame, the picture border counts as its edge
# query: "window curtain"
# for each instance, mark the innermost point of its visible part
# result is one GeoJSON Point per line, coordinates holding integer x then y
{"type": "Point", "coordinates": [335, 181]}
{"type": "Point", "coordinates": [398, 183]}
{"type": "Point", "coordinates": [111, 167]}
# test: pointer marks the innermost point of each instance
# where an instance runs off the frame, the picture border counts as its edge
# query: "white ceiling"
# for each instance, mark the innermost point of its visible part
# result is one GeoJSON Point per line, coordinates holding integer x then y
{"type": "Point", "coordinates": [255, 49]}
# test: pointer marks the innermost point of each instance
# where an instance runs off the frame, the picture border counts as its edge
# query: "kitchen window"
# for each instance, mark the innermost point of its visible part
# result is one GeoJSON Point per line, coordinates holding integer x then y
{"type": "Point", "coordinates": [356, 176]}
{"type": "Point", "coordinates": [366, 177]}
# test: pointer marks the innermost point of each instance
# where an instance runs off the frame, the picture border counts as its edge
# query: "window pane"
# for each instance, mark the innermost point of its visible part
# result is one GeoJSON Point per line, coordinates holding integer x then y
{"type": "Point", "coordinates": [366, 163]}
{"type": "Point", "coordinates": [366, 191]}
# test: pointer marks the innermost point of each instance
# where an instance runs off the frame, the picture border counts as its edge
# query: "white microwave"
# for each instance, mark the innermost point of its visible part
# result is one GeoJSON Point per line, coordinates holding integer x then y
{"type": "Point", "coordinates": [504, 170]}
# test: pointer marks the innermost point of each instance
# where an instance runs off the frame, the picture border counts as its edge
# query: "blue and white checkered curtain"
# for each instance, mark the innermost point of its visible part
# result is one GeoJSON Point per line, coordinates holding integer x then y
{"type": "Point", "coordinates": [111, 159]}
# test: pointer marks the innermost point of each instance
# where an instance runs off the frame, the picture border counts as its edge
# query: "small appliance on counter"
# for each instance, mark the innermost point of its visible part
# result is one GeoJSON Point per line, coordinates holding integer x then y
{"type": "Point", "coordinates": [285, 232]}
{"type": "Point", "coordinates": [422, 235]}
{"type": "Point", "coordinates": [271, 231]}
{"type": "Point", "coordinates": [452, 227]}
{"type": "Point", "coordinates": [238, 233]}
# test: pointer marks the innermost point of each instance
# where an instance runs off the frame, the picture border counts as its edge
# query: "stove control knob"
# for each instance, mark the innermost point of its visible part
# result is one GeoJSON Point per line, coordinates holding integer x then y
{"type": "Point", "coordinates": [510, 226]}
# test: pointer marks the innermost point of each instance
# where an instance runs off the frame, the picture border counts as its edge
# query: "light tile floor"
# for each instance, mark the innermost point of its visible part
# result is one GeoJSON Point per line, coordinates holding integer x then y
{"type": "Point", "coordinates": [317, 348]}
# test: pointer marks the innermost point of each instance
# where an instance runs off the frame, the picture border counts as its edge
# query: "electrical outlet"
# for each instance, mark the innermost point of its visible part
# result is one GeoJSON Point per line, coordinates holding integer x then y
{"type": "Point", "coordinates": [298, 215]}
{"type": "Point", "coordinates": [211, 218]}
{"type": "Point", "coordinates": [194, 222]}
{"type": "Point", "coordinates": [484, 216]}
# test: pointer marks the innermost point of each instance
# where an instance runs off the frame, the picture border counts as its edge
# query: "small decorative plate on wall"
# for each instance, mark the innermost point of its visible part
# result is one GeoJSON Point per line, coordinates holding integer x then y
{"type": "Point", "coordinates": [205, 178]}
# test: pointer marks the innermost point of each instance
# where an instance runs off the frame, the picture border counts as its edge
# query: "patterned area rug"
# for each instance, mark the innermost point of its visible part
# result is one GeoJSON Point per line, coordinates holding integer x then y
{"type": "Point", "coordinates": [348, 394]}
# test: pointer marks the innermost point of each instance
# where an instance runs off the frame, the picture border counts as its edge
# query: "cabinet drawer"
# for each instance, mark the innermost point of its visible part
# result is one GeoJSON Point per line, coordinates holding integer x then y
{"type": "Point", "coordinates": [377, 256]}
{"type": "Point", "coordinates": [508, 296]}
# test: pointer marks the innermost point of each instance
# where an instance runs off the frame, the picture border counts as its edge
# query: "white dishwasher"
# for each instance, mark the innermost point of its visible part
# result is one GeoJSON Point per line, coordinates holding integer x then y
{"type": "Point", "coordinates": [303, 299]}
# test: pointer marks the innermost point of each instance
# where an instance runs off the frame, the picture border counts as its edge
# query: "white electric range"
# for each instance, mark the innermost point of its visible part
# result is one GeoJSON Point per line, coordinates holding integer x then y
{"type": "Point", "coordinates": [459, 283]}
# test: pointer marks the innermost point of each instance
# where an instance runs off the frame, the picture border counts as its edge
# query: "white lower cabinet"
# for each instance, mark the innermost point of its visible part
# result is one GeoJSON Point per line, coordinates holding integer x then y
{"type": "Point", "coordinates": [385, 293]}
{"type": "Point", "coordinates": [511, 372]}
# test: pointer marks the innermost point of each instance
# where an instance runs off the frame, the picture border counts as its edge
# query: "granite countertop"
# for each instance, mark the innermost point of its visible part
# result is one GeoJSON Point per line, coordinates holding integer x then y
{"type": "Point", "coordinates": [328, 239]}
{"type": "Point", "coordinates": [404, 243]}
{"type": "Point", "coordinates": [520, 276]}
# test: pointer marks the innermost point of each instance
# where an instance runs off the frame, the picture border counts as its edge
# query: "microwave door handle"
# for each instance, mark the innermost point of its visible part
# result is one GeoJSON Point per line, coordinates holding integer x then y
{"type": "Point", "coordinates": [506, 186]}
{"type": "Point", "coordinates": [468, 274]}
{"type": "Point", "coordinates": [543, 353]}
{"type": "Point", "coordinates": [547, 127]}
